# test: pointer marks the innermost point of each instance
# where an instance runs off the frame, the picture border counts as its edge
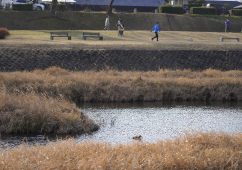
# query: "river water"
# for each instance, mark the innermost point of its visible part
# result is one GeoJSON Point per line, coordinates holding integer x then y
{"type": "Point", "coordinates": [154, 121]}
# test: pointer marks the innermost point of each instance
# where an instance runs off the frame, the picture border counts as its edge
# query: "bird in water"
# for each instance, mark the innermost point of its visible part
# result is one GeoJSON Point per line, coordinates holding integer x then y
{"type": "Point", "coordinates": [137, 137]}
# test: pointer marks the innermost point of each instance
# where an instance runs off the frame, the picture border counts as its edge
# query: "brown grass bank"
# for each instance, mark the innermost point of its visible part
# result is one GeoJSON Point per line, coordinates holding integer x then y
{"type": "Point", "coordinates": [33, 43]}
{"type": "Point", "coordinates": [31, 113]}
{"type": "Point", "coordinates": [111, 85]}
{"type": "Point", "coordinates": [192, 151]}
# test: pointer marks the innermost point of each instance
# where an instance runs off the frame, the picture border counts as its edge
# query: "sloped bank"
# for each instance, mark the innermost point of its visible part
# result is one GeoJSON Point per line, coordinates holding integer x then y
{"type": "Point", "coordinates": [34, 113]}
{"type": "Point", "coordinates": [75, 20]}
{"type": "Point", "coordinates": [122, 60]}
{"type": "Point", "coordinates": [126, 86]}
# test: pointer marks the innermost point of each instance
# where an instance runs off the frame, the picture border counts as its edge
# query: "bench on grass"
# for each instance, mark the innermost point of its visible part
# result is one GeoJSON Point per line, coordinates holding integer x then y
{"type": "Point", "coordinates": [222, 39]}
{"type": "Point", "coordinates": [92, 35]}
{"type": "Point", "coordinates": [59, 34]}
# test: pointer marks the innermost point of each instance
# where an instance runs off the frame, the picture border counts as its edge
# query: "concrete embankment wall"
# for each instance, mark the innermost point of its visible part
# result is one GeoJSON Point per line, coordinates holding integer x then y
{"type": "Point", "coordinates": [139, 60]}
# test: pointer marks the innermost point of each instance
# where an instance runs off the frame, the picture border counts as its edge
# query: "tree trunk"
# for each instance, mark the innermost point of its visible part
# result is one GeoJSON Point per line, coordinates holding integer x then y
{"type": "Point", "coordinates": [53, 8]}
{"type": "Point", "coordinates": [110, 7]}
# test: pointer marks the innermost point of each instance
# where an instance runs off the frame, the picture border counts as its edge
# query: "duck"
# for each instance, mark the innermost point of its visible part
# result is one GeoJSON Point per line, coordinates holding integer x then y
{"type": "Point", "coordinates": [137, 137]}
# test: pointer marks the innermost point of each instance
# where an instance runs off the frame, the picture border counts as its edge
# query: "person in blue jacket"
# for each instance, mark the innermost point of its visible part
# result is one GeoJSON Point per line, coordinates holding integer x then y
{"type": "Point", "coordinates": [227, 22]}
{"type": "Point", "coordinates": [156, 29]}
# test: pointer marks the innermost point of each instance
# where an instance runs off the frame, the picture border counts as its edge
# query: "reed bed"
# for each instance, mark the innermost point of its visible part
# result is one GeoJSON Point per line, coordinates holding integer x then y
{"type": "Point", "coordinates": [112, 85]}
{"type": "Point", "coordinates": [195, 150]}
{"type": "Point", "coordinates": [32, 113]}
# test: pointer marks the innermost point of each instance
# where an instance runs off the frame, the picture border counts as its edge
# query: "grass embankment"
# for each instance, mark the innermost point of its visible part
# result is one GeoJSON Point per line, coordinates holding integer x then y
{"type": "Point", "coordinates": [70, 20]}
{"type": "Point", "coordinates": [32, 113]}
{"type": "Point", "coordinates": [168, 40]}
{"type": "Point", "coordinates": [111, 85]}
{"type": "Point", "coordinates": [193, 151]}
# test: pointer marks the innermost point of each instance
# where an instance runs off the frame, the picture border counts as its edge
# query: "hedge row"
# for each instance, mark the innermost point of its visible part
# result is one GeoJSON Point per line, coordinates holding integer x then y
{"type": "Point", "coordinates": [236, 12]}
{"type": "Point", "coordinates": [22, 7]}
{"type": "Point", "coordinates": [203, 10]}
{"type": "Point", "coordinates": [170, 9]}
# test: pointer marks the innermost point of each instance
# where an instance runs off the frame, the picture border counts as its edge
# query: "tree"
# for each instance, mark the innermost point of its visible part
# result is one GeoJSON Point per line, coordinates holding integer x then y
{"type": "Point", "coordinates": [228, 6]}
{"type": "Point", "coordinates": [53, 8]}
{"type": "Point", "coordinates": [110, 7]}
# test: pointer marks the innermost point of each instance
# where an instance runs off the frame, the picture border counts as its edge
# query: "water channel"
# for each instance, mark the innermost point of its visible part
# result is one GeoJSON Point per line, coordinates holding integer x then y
{"type": "Point", "coordinates": [154, 121]}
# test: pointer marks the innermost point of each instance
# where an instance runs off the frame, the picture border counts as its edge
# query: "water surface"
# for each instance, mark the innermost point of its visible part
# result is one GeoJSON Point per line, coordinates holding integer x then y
{"type": "Point", "coordinates": [158, 121]}
{"type": "Point", "coordinates": [154, 121]}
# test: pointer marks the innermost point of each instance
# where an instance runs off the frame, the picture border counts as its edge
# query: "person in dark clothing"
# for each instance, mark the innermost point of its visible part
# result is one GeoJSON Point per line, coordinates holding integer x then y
{"type": "Point", "coordinates": [227, 22]}
{"type": "Point", "coordinates": [156, 28]}
{"type": "Point", "coordinates": [120, 25]}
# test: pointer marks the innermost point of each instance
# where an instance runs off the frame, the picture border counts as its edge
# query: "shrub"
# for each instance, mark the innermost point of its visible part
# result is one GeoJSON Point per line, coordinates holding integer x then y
{"type": "Point", "coordinates": [203, 10]}
{"type": "Point", "coordinates": [193, 3]}
{"type": "Point", "coordinates": [61, 7]}
{"type": "Point", "coordinates": [3, 33]}
{"type": "Point", "coordinates": [236, 12]}
{"type": "Point", "coordinates": [22, 7]}
{"type": "Point", "coordinates": [170, 9]}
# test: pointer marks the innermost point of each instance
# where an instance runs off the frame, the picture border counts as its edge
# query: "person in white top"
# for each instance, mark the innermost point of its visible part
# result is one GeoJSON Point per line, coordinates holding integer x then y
{"type": "Point", "coordinates": [107, 23]}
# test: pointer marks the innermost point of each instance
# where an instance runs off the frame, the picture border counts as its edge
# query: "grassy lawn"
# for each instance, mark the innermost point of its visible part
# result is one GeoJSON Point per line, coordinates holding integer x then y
{"type": "Point", "coordinates": [168, 40]}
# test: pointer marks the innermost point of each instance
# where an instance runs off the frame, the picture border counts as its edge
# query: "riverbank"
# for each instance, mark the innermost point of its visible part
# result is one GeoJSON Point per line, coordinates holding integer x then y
{"type": "Point", "coordinates": [37, 114]}
{"type": "Point", "coordinates": [192, 151]}
{"type": "Point", "coordinates": [115, 86]}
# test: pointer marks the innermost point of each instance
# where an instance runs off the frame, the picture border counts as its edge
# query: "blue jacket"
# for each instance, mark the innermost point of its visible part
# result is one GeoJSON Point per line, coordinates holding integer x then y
{"type": "Point", "coordinates": [156, 28]}
{"type": "Point", "coordinates": [227, 23]}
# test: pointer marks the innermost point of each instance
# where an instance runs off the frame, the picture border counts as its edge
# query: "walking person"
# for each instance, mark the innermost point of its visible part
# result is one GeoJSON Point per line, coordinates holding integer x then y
{"type": "Point", "coordinates": [227, 22]}
{"type": "Point", "coordinates": [121, 30]}
{"type": "Point", "coordinates": [120, 24]}
{"type": "Point", "coordinates": [107, 23]}
{"type": "Point", "coordinates": [156, 29]}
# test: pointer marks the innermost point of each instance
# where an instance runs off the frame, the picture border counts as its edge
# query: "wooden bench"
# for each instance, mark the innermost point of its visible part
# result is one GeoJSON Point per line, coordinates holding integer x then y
{"type": "Point", "coordinates": [59, 34]}
{"type": "Point", "coordinates": [92, 35]}
{"type": "Point", "coordinates": [222, 39]}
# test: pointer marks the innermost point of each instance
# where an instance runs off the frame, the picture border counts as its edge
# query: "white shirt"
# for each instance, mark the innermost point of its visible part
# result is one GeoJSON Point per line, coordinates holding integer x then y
{"type": "Point", "coordinates": [107, 22]}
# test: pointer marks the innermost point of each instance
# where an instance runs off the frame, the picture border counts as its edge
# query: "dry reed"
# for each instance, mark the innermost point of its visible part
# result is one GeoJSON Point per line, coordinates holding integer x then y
{"type": "Point", "coordinates": [31, 113]}
{"type": "Point", "coordinates": [111, 85]}
{"type": "Point", "coordinates": [195, 150]}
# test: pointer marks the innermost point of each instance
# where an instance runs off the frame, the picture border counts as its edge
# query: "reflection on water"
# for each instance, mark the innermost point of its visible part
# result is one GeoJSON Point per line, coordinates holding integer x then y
{"type": "Point", "coordinates": [12, 140]}
{"type": "Point", "coordinates": [154, 121]}
{"type": "Point", "coordinates": [158, 121]}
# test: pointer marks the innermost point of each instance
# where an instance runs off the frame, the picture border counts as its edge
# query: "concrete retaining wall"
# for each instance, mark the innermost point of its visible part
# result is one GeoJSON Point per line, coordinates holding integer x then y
{"type": "Point", "coordinates": [142, 60]}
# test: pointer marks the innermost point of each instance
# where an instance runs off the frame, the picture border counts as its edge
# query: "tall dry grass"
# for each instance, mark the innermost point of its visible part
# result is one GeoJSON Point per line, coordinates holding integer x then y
{"type": "Point", "coordinates": [192, 151]}
{"type": "Point", "coordinates": [112, 85]}
{"type": "Point", "coordinates": [32, 113]}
